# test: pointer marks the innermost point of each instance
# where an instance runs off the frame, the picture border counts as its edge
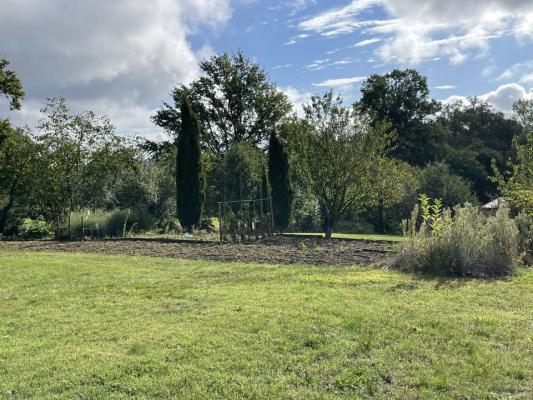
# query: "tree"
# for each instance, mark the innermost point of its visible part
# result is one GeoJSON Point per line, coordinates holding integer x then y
{"type": "Point", "coordinates": [233, 100]}
{"type": "Point", "coordinates": [10, 85]}
{"type": "Point", "coordinates": [17, 174]}
{"type": "Point", "coordinates": [335, 153]}
{"type": "Point", "coordinates": [280, 182]}
{"type": "Point", "coordinates": [517, 184]}
{"type": "Point", "coordinates": [401, 97]}
{"type": "Point", "coordinates": [477, 135]}
{"type": "Point", "coordinates": [523, 114]}
{"type": "Point", "coordinates": [438, 182]}
{"type": "Point", "coordinates": [73, 151]}
{"type": "Point", "coordinates": [391, 182]}
{"type": "Point", "coordinates": [189, 180]}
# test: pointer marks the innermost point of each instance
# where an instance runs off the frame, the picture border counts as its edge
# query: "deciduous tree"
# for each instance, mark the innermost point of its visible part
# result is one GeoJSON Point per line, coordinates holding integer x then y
{"type": "Point", "coordinates": [233, 100]}
{"type": "Point", "coordinates": [335, 152]}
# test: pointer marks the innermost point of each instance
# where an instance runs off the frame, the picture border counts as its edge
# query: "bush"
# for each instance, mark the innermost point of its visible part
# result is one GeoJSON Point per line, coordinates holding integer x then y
{"type": "Point", "coordinates": [524, 223]}
{"type": "Point", "coordinates": [34, 229]}
{"type": "Point", "coordinates": [305, 216]}
{"type": "Point", "coordinates": [437, 181]}
{"type": "Point", "coordinates": [465, 243]}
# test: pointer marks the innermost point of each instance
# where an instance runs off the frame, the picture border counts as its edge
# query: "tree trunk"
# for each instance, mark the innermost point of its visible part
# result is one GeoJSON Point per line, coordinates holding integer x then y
{"type": "Point", "coordinates": [4, 213]}
{"type": "Point", "coordinates": [381, 217]}
{"type": "Point", "coordinates": [3, 220]}
{"type": "Point", "coordinates": [328, 227]}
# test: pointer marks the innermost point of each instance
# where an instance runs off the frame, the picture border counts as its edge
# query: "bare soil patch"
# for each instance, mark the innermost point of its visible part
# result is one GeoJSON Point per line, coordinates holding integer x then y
{"type": "Point", "coordinates": [278, 250]}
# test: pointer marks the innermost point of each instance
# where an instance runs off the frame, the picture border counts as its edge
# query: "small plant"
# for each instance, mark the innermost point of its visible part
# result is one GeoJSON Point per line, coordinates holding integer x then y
{"type": "Point", "coordinates": [34, 229]}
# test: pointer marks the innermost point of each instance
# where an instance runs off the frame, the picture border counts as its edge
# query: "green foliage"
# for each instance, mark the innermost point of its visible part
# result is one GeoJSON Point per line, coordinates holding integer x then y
{"type": "Point", "coordinates": [81, 163]}
{"type": "Point", "coordinates": [524, 223]}
{"type": "Point", "coordinates": [394, 186]}
{"type": "Point", "coordinates": [10, 85]}
{"type": "Point", "coordinates": [517, 185]}
{"type": "Point", "coordinates": [34, 229]}
{"type": "Point", "coordinates": [280, 182]}
{"type": "Point", "coordinates": [243, 171]}
{"type": "Point", "coordinates": [335, 149]}
{"type": "Point", "coordinates": [17, 176]}
{"type": "Point", "coordinates": [467, 243]}
{"type": "Point", "coordinates": [523, 114]}
{"type": "Point", "coordinates": [233, 100]}
{"type": "Point", "coordinates": [478, 136]}
{"type": "Point", "coordinates": [401, 98]}
{"type": "Point", "coordinates": [116, 223]}
{"type": "Point", "coordinates": [305, 211]}
{"type": "Point", "coordinates": [437, 181]}
{"type": "Point", "coordinates": [189, 174]}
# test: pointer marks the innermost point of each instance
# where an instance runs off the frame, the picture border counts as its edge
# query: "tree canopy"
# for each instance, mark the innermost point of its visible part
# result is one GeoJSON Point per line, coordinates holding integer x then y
{"type": "Point", "coordinates": [233, 100]}
{"type": "Point", "coordinates": [401, 98]}
{"type": "Point", "coordinates": [10, 85]}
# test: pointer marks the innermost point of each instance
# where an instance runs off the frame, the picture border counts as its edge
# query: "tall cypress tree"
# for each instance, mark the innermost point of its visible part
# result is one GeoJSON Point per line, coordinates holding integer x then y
{"type": "Point", "coordinates": [280, 183]}
{"type": "Point", "coordinates": [189, 180]}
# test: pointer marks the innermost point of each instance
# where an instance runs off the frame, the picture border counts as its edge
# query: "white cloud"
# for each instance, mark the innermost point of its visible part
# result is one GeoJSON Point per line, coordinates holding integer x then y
{"type": "Point", "coordinates": [123, 56]}
{"type": "Point", "coordinates": [296, 39]}
{"type": "Point", "coordinates": [445, 87]}
{"type": "Point", "coordinates": [367, 42]}
{"type": "Point", "coordinates": [333, 83]}
{"type": "Point", "coordinates": [502, 98]}
{"type": "Point", "coordinates": [283, 66]}
{"type": "Point", "coordinates": [319, 65]}
{"type": "Point", "coordinates": [415, 31]}
{"type": "Point", "coordinates": [297, 98]}
{"type": "Point", "coordinates": [505, 96]}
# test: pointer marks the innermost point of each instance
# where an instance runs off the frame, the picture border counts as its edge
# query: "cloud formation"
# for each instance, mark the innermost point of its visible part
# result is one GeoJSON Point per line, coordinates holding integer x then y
{"type": "Point", "coordinates": [119, 57]}
{"type": "Point", "coordinates": [502, 98]}
{"type": "Point", "coordinates": [340, 82]}
{"type": "Point", "coordinates": [414, 31]}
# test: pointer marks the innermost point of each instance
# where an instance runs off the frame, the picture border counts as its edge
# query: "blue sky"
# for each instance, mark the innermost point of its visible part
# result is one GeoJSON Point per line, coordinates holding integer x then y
{"type": "Point", "coordinates": [121, 58]}
{"type": "Point", "coordinates": [308, 59]}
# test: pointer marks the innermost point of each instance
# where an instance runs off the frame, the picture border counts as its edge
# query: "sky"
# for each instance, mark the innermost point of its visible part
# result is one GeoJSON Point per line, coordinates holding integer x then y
{"type": "Point", "coordinates": [121, 58]}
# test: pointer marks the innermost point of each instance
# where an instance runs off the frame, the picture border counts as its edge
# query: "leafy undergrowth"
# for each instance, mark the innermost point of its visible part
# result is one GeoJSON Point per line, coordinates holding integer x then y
{"type": "Point", "coordinates": [95, 326]}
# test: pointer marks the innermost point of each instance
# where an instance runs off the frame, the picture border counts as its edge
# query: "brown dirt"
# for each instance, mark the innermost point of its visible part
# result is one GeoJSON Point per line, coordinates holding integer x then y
{"type": "Point", "coordinates": [279, 250]}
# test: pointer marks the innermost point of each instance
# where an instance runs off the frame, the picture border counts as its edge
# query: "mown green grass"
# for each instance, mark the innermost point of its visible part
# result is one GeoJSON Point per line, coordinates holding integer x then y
{"type": "Point", "coordinates": [358, 236]}
{"type": "Point", "coordinates": [80, 326]}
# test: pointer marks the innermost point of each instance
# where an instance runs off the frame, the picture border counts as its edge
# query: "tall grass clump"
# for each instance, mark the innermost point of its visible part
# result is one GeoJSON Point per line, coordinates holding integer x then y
{"type": "Point", "coordinates": [462, 242]}
{"type": "Point", "coordinates": [524, 223]}
{"type": "Point", "coordinates": [117, 223]}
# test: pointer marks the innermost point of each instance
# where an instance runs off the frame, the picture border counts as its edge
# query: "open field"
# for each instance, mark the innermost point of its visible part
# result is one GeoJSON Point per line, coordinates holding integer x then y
{"type": "Point", "coordinates": [277, 250]}
{"type": "Point", "coordinates": [90, 326]}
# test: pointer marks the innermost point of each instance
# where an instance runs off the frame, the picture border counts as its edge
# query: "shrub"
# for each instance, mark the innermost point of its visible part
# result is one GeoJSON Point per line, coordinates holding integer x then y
{"type": "Point", "coordinates": [438, 181]}
{"type": "Point", "coordinates": [524, 223]}
{"type": "Point", "coordinates": [34, 229]}
{"type": "Point", "coordinates": [463, 243]}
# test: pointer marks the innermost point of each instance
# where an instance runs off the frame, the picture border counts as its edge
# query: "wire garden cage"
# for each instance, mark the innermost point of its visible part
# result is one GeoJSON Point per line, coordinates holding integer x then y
{"type": "Point", "coordinates": [245, 220]}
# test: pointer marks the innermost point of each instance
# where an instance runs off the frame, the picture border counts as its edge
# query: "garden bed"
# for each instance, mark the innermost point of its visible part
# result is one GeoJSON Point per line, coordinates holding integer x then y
{"type": "Point", "coordinates": [278, 250]}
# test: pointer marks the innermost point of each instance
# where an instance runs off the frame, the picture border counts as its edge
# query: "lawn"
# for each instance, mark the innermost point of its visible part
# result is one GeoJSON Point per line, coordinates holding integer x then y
{"type": "Point", "coordinates": [357, 236]}
{"type": "Point", "coordinates": [79, 326]}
